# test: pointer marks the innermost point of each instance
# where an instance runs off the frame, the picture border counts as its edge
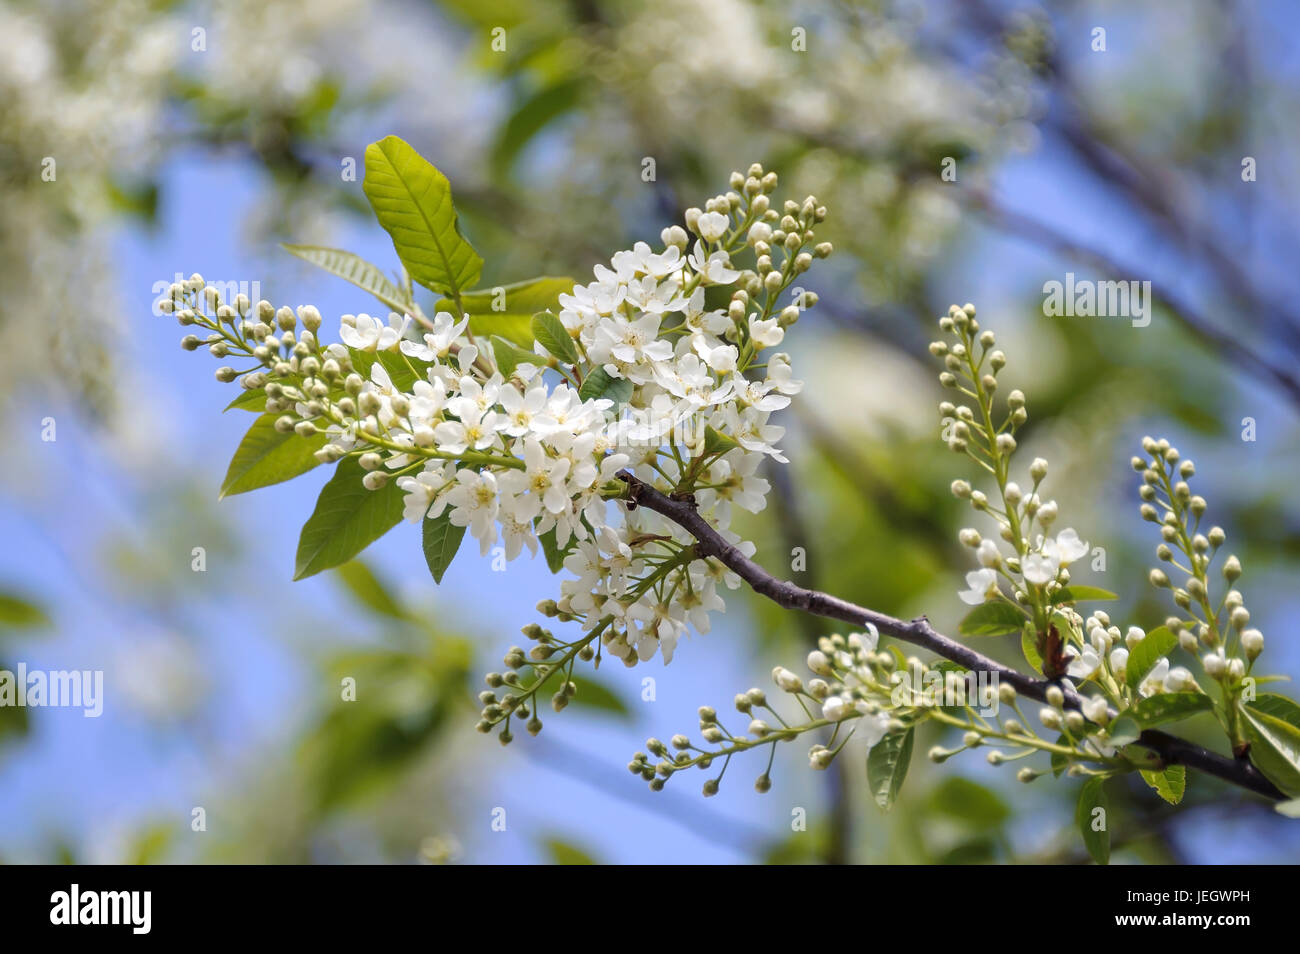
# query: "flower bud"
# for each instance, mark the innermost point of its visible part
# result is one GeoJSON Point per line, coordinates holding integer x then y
{"type": "Point", "coordinates": [819, 664]}
{"type": "Point", "coordinates": [786, 680]}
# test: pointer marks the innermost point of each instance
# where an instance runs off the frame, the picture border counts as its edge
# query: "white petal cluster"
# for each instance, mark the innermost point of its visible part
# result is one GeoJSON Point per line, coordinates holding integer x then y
{"type": "Point", "coordinates": [668, 375]}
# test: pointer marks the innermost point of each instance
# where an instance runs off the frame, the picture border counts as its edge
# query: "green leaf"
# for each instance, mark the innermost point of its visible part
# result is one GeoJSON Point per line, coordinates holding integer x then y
{"type": "Point", "coordinates": [19, 613]}
{"type": "Point", "coordinates": [1123, 731]}
{"type": "Point", "coordinates": [508, 357]}
{"type": "Point", "coordinates": [1169, 707]}
{"type": "Point", "coordinates": [596, 695]}
{"type": "Point", "coordinates": [347, 519]}
{"type": "Point", "coordinates": [1029, 646]}
{"type": "Point", "coordinates": [969, 801]}
{"type": "Point", "coordinates": [1091, 797]}
{"type": "Point", "coordinates": [992, 619]}
{"type": "Point", "coordinates": [266, 456]}
{"type": "Point", "coordinates": [554, 337]}
{"type": "Point", "coordinates": [887, 766]}
{"type": "Point", "coordinates": [1291, 809]}
{"type": "Point", "coordinates": [412, 201]}
{"type": "Point", "coordinates": [554, 554]}
{"type": "Point", "coordinates": [404, 702]}
{"type": "Point", "coordinates": [441, 541]}
{"type": "Point", "coordinates": [1169, 784]}
{"type": "Point", "coordinates": [1275, 749]}
{"type": "Point", "coordinates": [1073, 594]}
{"type": "Point", "coordinates": [716, 443]}
{"type": "Point", "coordinates": [366, 588]}
{"type": "Point", "coordinates": [1160, 642]}
{"type": "Point", "coordinates": [530, 117]}
{"type": "Point", "coordinates": [508, 310]}
{"type": "Point", "coordinates": [403, 370]}
{"type": "Point", "coordinates": [1277, 706]}
{"type": "Point", "coordinates": [357, 270]}
{"type": "Point", "coordinates": [250, 399]}
{"type": "Point", "coordinates": [599, 383]}
{"type": "Point", "coordinates": [564, 853]}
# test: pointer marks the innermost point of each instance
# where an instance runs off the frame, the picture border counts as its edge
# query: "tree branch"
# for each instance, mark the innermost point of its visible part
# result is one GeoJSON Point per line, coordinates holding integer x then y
{"type": "Point", "coordinates": [1171, 749]}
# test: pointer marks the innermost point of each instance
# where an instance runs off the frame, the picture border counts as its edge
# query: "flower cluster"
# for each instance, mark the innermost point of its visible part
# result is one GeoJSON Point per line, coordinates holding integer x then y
{"type": "Point", "coordinates": [860, 690]}
{"type": "Point", "coordinates": [1104, 684]}
{"type": "Point", "coordinates": [1029, 589]}
{"type": "Point", "coordinates": [662, 367]}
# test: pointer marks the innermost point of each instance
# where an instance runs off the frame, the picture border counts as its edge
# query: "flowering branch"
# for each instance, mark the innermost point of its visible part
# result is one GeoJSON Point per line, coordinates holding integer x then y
{"type": "Point", "coordinates": [1169, 748]}
{"type": "Point", "coordinates": [653, 385]}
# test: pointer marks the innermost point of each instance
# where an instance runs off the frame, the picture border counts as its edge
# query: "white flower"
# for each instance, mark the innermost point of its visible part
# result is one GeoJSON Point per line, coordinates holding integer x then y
{"type": "Point", "coordinates": [987, 553]}
{"type": "Point", "coordinates": [980, 584]}
{"type": "Point", "coordinates": [715, 269]}
{"type": "Point", "coordinates": [1157, 680]}
{"type": "Point", "coordinates": [1043, 565]}
{"type": "Point", "coordinates": [516, 516]}
{"type": "Point", "coordinates": [712, 226]}
{"type": "Point", "coordinates": [766, 334]}
{"type": "Point", "coordinates": [1082, 663]}
{"type": "Point", "coordinates": [751, 430]}
{"type": "Point", "coordinates": [1069, 547]}
{"type": "Point", "coordinates": [621, 342]}
{"type": "Point", "coordinates": [1038, 568]}
{"type": "Point", "coordinates": [474, 501]}
{"type": "Point", "coordinates": [720, 357]}
{"type": "Point", "coordinates": [544, 476]}
{"type": "Point", "coordinates": [420, 491]}
{"type": "Point", "coordinates": [475, 430]}
{"type": "Point", "coordinates": [641, 260]}
{"type": "Point", "coordinates": [872, 727]}
{"type": "Point", "coordinates": [437, 343]}
{"type": "Point", "coordinates": [365, 333]}
{"type": "Point", "coordinates": [779, 374]}
{"type": "Point", "coordinates": [521, 408]}
{"type": "Point", "coordinates": [1095, 709]}
{"type": "Point", "coordinates": [699, 321]}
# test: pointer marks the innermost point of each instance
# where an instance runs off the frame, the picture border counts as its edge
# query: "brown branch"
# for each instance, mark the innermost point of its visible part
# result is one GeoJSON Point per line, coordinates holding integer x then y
{"type": "Point", "coordinates": [1171, 749]}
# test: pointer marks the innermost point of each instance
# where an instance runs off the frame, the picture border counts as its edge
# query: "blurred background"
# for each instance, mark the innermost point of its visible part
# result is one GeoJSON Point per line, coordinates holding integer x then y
{"type": "Point", "coordinates": [142, 140]}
